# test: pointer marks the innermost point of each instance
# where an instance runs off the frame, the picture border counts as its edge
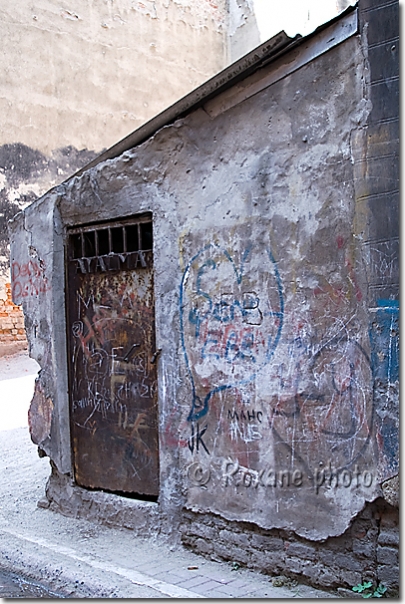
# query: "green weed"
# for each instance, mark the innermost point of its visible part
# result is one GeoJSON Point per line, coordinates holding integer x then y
{"type": "Point", "coordinates": [367, 589]}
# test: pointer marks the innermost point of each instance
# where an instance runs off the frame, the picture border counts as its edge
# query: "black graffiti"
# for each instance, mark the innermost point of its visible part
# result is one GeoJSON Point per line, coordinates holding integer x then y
{"type": "Point", "coordinates": [247, 416]}
{"type": "Point", "coordinates": [196, 440]}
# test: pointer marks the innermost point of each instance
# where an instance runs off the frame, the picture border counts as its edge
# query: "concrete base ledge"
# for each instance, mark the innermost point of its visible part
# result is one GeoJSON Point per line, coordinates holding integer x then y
{"type": "Point", "coordinates": [69, 499]}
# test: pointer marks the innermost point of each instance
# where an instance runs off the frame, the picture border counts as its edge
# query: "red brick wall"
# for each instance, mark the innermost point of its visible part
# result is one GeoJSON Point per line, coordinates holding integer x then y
{"type": "Point", "coordinates": [12, 332]}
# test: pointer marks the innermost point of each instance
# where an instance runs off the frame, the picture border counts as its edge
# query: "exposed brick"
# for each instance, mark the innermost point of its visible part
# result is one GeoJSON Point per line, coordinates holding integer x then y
{"type": "Point", "coordinates": [297, 565]}
{"type": "Point", "coordinates": [202, 530]}
{"type": "Point", "coordinates": [306, 552]}
{"type": "Point", "coordinates": [267, 543]}
{"type": "Point", "coordinates": [344, 560]}
{"type": "Point", "coordinates": [350, 578]}
{"type": "Point", "coordinates": [389, 576]}
{"type": "Point", "coordinates": [203, 546]}
{"type": "Point", "coordinates": [231, 552]}
{"type": "Point", "coordinates": [389, 537]}
{"type": "Point", "coordinates": [237, 538]}
{"type": "Point", "coordinates": [339, 560]}
{"type": "Point", "coordinates": [339, 544]}
{"type": "Point", "coordinates": [11, 320]}
{"type": "Point", "coordinates": [271, 562]}
{"type": "Point", "coordinates": [327, 578]}
{"type": "Point", "coordinates": [387, 555]}
{"type": "Point", "coordinates": [390, 519]}
{"type": "Point", "coordinates": [364, 548]}
{"type": "Point", "coordinates": [312, 571]}
{"type": "Point", "coordinates": [359, 528]}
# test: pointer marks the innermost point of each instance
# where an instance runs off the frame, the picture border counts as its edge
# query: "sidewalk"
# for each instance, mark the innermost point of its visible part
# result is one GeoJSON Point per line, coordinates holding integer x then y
{"type": "Point", "coordinates": [82, 559]}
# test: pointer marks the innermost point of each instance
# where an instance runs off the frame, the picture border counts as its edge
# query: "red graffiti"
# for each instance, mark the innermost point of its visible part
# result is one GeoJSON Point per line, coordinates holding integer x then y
{"type": "Point", "coordinates": [231, 342]}
{"type": "Point", "coordinates": [28, 280]}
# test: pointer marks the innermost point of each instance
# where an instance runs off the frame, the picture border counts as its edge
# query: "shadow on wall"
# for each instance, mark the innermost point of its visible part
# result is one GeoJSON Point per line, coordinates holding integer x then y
{"type": "Point", "coordinates": [25, 175]}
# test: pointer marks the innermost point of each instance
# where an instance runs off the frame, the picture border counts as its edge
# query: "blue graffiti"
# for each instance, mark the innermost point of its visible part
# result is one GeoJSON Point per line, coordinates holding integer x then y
{"type": "Point", "coordinates": [237, 347]}
{"type": "Point", "coordinates": [384, 338]}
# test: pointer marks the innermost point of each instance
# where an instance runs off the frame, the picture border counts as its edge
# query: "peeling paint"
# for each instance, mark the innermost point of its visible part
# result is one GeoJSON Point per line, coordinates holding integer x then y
{"type": "Point", "coordinates": [40, 415]}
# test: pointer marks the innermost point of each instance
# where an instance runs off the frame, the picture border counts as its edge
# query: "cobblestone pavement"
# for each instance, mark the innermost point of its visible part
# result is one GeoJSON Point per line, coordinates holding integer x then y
{"type": "Point", "coordinates": [47, 552]}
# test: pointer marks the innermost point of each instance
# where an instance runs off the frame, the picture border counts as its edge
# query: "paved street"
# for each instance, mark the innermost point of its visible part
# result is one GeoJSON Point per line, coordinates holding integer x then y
{"type": "Point", "coordinates": [75, 558]}
{"type": "Point", "coordinates": [14, 585]}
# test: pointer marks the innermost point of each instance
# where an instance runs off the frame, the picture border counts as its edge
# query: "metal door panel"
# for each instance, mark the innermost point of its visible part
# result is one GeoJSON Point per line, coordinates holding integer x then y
{"type": "Point", "coordinates": [113, 397]}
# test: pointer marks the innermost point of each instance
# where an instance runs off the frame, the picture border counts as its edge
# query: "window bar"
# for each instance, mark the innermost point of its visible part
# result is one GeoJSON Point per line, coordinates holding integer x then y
{"type": "Point", "coordinates": [139, 236]}
{"type": "Point", "coordinates": [110, 246]}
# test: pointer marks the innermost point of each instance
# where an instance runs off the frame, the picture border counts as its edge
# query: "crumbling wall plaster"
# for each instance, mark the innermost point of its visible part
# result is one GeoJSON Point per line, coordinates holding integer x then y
{"type": "Point", "coordinates": [78, 77]}
{"type": "Point", "coordinates": [269, 372]}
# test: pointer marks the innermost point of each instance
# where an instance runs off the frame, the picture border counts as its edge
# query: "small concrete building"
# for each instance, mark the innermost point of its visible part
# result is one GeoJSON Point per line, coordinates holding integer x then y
{"type": "Point", "coordinates": [214, 306]}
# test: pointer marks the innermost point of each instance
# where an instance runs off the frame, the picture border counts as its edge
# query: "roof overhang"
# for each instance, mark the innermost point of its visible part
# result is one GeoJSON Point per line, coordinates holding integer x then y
{"type": "Point", "coordinates": [334, 32]}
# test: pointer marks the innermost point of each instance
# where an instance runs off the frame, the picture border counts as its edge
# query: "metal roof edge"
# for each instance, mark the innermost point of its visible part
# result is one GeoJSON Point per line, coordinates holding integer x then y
{"type": "Point", "coordinates": [260, 56]}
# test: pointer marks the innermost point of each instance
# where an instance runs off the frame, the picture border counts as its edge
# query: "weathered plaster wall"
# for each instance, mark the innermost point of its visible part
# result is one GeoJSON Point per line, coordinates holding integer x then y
{"type": "Point", "coordinates": [86, 75]}
{"type": "Point", "coordinates": [243, 31]}
{"type": "Point", "coordinates": [267, 378]}
{"type": "Point", "coordinates": [78, 77]}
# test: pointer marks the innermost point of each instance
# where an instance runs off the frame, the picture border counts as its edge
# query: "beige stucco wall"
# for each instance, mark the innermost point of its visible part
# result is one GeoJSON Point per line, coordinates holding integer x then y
{"type": "Point", "coordinates": [79, 75]}
{"type": "Point", "coordinates": [86, 73]}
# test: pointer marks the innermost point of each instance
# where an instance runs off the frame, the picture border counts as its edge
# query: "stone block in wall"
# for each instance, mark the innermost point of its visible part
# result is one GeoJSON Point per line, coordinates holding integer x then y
{"type": "Point", "coordinates": [325, 577]}
{"type": "Point", "coordinates": [202, 530]}
{"type": "Point", "coordinates": [339, 544]}
{"type": "Point", "coordinates": [203, 546]}
{"type": "Point", "coordinates": [350, 577]}
{"type": "Point", "coordinates": [300, 550]}
{"type": "Point", "coordinates": [269, 562]}
{"type": "Point", "coordinates": [232, 552]}
{"type": "Point", "coordinates": [339, 560]}
{"type": "Point", "coordinates": [389, 537]}
{"type": "Point", "coordinates": [387, 555]}
{"type": "Point", "coordinates": [241, 539]}
{"type": "Point", "coordinates": [364, 548]}
{"type": "Point", "coordinates": [389, 576]}
{"type": "Point", "coordinates": [267, 543]}
{"type": "Point", "coordinates": [296, 565]}
{"type": "Point", "coordinates": [389, 519]}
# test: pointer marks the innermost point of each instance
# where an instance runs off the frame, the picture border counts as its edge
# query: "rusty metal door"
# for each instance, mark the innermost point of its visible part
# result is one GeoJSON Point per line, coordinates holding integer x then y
{"type": "Point", "coordinates": [112, 357]}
